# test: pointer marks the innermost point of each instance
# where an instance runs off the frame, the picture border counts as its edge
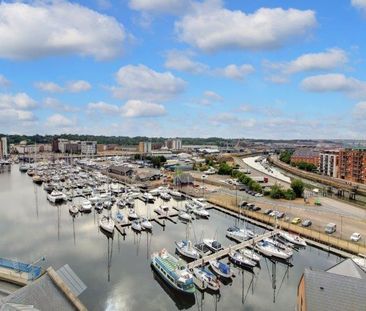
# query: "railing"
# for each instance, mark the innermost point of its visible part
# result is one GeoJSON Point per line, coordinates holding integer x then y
{"type": "Point", "coordinates": [33, 271]}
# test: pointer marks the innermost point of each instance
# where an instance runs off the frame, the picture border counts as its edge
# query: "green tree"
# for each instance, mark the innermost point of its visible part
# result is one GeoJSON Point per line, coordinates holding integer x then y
{"type": "Point", "coordinates": [285, 156]}
{"type": "Point", "coordinates": [277, 192]}
{"type": "Point", "coordinates": [289, 194]}
{"type": "Point", "coordinates": [298, 187]}
{"type": "Point", "coordinates": [225, 169]}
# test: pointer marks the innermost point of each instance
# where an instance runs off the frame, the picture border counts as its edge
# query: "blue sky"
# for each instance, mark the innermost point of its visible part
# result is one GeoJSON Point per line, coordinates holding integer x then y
{"type": "Point", "coordinates": [238, 68]}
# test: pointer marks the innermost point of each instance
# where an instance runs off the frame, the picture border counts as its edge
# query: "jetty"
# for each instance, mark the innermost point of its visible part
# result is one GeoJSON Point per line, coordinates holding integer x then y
{"type": "Point", "coordinates": [224, 252]}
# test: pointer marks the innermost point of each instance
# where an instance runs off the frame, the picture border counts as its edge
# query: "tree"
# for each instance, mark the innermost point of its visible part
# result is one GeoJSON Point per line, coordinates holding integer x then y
{"type": "Point", "coordinates": [297, 186]}
{"type": "Point", "coordinates": [285, 156]}
{"type": "Point", "coordinates": [277, 192]}
{"type": "Point", "coordinates": [225, 169]}
{"type": "Point", "coordinates": [289, 194]}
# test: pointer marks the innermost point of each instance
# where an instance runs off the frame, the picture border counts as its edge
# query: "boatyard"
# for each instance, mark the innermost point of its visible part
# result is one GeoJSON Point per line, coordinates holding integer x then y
{"type": "Point", "coordinates": [107, 232]}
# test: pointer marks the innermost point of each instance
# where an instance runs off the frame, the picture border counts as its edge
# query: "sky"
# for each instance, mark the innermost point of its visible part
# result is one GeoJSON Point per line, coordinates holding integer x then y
{"type": "Point", "coordinates": [184, 68]}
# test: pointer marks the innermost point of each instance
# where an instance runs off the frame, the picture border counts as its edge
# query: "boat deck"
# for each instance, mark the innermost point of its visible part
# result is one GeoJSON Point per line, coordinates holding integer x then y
{"type": "Point", "coordinates": [204, 260]}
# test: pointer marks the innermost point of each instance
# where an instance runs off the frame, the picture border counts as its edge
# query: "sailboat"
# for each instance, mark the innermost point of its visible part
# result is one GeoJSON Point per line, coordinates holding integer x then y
{"type": "Point", "coordinates": [107, 224]}
{"type": "Point", "coordinates": [185, 247]}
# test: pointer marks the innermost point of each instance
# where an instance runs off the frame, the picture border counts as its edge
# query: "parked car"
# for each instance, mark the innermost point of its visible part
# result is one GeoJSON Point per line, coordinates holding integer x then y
{"type": "Point", "coordinates": [258, 195]}
{"type": "Point", "coordinates": [296, 221]}
{"type": "Point", "coordinates": [306, 223]}
{"type": "Point", "coordinates": [256, 208]}
{"type": "Point", "coordinates": [355, 237]}
{"type": "Point", "coordinates": [268, 211]}
{"type": "Point", "coordinates": [243, 204]}
{"type": "Point", "coordinates": [330, 228]}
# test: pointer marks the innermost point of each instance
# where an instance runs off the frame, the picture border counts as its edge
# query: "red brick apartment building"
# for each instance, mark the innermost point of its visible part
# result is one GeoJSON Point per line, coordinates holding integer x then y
{"type": "Point", "coordinates": [352, 165]}
{"type": "Point", "coordinates": [306, 155]}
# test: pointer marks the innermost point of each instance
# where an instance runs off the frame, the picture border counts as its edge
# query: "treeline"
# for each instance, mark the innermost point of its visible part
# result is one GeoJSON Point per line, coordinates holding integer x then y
{"type": "Point", "coordinates": [119, 140]}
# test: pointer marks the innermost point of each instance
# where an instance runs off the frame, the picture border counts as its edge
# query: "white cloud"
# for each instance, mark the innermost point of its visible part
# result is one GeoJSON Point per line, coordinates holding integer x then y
{"type": "Point", "coordinates": [160, 6]}
{"type": "Point", "coordinates": [17, 101]}
{"type": "Point", "coordinates": [141, 82]}
{"type": "Point", "coordinates": [71, 86]}
{"type": "Point", "coordinates": [4, 82]}
{"type": "Point", "coordinates": [50, 87]}
{"type": "Point", "coordinates": [231, 120]}
{"type": "Point", "coordinates": [138, 108]}
{"type": "Point", "coordinates": [104, 4]}
{"type": "Point", "coordinates": [236, 72]}
{"type": "Point", "coordinates": [45, 28]}
{"type": "Point", "coordinates": [335, 83]}
{"type": "Point", "coordinates": [330, 59]}
{"type": "Point", "coordinates": [78, 86]}
{"type": "Point", "coordinates": [182, 61]}
{"type": "Point", "coordinates": [359, 110]}
{"type": "Point", "coordinates": [360, 4]}
{"type": "Point", "coordinates": [55, 104]}
{"type": "Point", "coordinates": [102, 107]}
{"type": "Point", "coordinates": [211, 27]}
{"type": "Point", "coordinates": [213, 96]}
{"type": "Point", "coordinates": [58, 121]}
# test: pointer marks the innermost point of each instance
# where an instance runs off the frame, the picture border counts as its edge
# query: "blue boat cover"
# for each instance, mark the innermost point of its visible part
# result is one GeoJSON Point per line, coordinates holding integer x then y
{"type": "Point", "coordinates": [224, 268]}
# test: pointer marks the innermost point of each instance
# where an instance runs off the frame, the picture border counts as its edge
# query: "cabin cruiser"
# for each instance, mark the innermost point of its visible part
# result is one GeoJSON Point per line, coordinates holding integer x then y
{"type": "Point", "coordinates": [107, 204]}
{"type": "Point", "coordinates": [98, 206]}
{"type": "Point", "coordinates": [294, 239]}
{"type": "Point", "coordinates": [23, 167]}
{"type": "Point", "coordinates": [240, 260]}
{"type": "Point", "coordinates": [270, 250]}
{"type": "Point", "coordinates": [37, 179]}
{"type": "Point", "coordinates": [73, 210]}
{"type": "Point", "coordinates": [207, 278]}
{"type": "Point", "coordinates": [136, 225]}
{"type": "Point", "coordinates": [48, 187]}
{"type": "Point", "coordinates": [56, 196]}
{"type": "Point", "coordinates": [184, 216]}
{"type": "Point", "coordinates": [186, 249]}
{"type": "Point", "coordinates": [220, 268]}
{"type": "Point", "coordinates": [201, 212]}
{"type": "Point", "coordinates": [146, 224]}
{"type": "Point", "coordinates": [132, 214]}
{"type": "Point", "coordinates": [162, 210]}
{"type": "Point", "coordinates": [85, 206]}
{"type": "Point", "coordinates": [107, 224]}
{"type": "Point", "coordinates": [147, 197]}
{"type": "Point", "coordinates": [241, 234]}
{"type": "Point", "coordinates": [165, 196]}
{"type": "Point", "coordinates": [213, 245]}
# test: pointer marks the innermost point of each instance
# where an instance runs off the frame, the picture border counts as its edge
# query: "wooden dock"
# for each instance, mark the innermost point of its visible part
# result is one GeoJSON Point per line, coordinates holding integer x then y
{"type": "Point", "coordinates": [204, 260]}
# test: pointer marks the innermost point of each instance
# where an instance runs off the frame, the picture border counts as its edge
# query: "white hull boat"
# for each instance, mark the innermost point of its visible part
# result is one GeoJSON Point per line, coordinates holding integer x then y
{"type": "Point", "coordinates": [249, 253]}
{"type": "Point", "coordinates": [213, 245]}
{"type": "Point", "coordinates": [136, 225]}
{"type": "Point", "coordinates": [241, 234]}
{"type": "Point", "coordinates": [184, 216]}
{"type": "Point", "coordinates": [146, 224]}
{"type": "Point", "coordinates": [221, 269]}
{"type": "Point", "coordinates": [56, 196]}
{"type": "Point", "coordinates": [107, 224]}
{"type": "Point", "coordinates": [268, 249]}
{"type": "Point", "coordinates": [186, 249]}
{"type": "Point", "coordinates": [207, 278]}
{"type": "Point", "coordinates": [294, 239]}
{"type": "Point", "coordinates": [242, 261]}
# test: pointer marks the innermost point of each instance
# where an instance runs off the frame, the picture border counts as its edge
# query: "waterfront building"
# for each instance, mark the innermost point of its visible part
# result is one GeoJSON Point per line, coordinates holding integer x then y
{"type": "Point", "coordinates": [352, 165]}
{"type": "Point", "coordinates": [55, 145]}
{"type": "Point", "coordinates": [144, 147]}
{"type": "Point", "coordinates": [174, 144]}
{"type": "Point", "coordinates": [342, 287]}
{"type": "Point", "coordinates": [4, 147]}
{"type": "Point", "coordinates": [329, 163]}
{"type": "Point", "coordinates": [89, 147]}
{"type": "Point", "coordinates": [306, 155]}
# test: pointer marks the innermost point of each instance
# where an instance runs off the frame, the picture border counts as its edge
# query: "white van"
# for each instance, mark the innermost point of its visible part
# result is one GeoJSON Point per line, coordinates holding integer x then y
{"type": "Point", "coordinates": [330, 228]}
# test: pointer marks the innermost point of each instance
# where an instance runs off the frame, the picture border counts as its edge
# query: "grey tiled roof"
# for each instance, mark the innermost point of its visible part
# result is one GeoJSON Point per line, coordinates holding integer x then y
{"type": "Point", "coordinates": [327, 291]}
{"type": "Point", "coordinates": [306, 153]}
{"type": "Point", "coordinates": [348, 268]}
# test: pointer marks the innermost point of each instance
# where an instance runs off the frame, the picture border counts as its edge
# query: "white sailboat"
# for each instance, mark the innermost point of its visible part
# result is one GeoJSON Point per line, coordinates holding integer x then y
{"type": "Point", "coordinates": [107, 224]}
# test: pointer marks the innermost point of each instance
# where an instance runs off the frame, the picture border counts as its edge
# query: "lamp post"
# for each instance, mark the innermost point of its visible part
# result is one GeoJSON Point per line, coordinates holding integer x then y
{"type": "Point", "coordinates": [203, 177]}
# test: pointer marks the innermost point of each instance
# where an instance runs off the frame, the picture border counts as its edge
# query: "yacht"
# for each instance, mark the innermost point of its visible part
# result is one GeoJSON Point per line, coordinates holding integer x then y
{"type": "Point", "coordinates": [98, 206]}
{"type": "Point", "coordinates": [186, 249]}
{"type": "Point", "coordinates": [173, 272]}
{"type": "Point", "coordinates": [240, 260]}
{"type": "Point", "coordinates": [201, 212]}
{"type": "Point", "coordinates": [37, 179]}
{"type": "Point", "coordinates": [213, 245]}
{"type": "Point", "coordinates": [23, 167]}
{"type": "Point", "coordinates": [107, 224]}
{"type": "Point", "coordinates": [221, 268]}
{"type": "Point", "coordinates": [184, 216]}
{"type": "Point", "coordinates": [270, 250]}
{"type": "Point", "coordinates": [147, 197]}
{"type": "Point", "coordinates": [136, 225]}
{"type": "Point", "coordinates": [165, 196]}
{"type": "Point", "coordinates": [176, 195]}
{"type": "Point", "coordinates": [132, 214]}
{"type": "Point", "coordinates": [146, 224]}
{"type": "Point", "coordinates": [249, 253]}
{"type": "Point", "coordinates": [85, 206]}
{"type": "Point", "coordinates": [73, 210]}
{"type": "Point", "coordinates": [207, 278]}
{"type": "Point", "coordinates": [294, 239]}
{"type": "Point", "coordinates": [241, 234]}
{"type": "Point", "coordinates": [56, 196]}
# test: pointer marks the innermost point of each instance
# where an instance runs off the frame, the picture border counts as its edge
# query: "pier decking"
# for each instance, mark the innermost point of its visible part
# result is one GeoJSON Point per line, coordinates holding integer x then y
{"type": "Point", "coordinates": [226, 251]}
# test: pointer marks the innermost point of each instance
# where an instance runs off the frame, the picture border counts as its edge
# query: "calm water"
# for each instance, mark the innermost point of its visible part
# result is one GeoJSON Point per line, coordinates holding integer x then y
{"type": "Point", "coordinates": [117, 271]}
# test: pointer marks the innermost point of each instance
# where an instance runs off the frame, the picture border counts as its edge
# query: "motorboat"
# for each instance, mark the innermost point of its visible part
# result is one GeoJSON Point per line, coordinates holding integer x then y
{"type": "Point", "coordinates": [240, 260]}
{"type": "Point", "coordinates": [37, 179]}
{"type": "Point", "coordinates": [184, 216]}
{"type": "Point", "coordinates": [186, 249]}
{"type": "Point", "coordinates": [173, 271]}
{"type": "Point", "coordinates": [23, 168]}
{"type": "Point", "coordinates": [165, 196]}
{"type": "Point", "coordinates": [147, 197]}
{"type": "Point", "coordinates": [202, 249]}
{"type": "Point", "coordinates": [201, 212]}
{"type": "Point", "coordinates": [207, 278]}
{"type": "Point", "coordinates": [221, 268]}
{"type": "Point", "coordinates": [56, 196]}
{"type": "Point", "coordinates": [107, 224]}
{"type": "Point", "coordinates": [132, 214]}
{"type": "Point", "coordinates": [107, 204]}
{"type": "Point", "coordinates": [73, 209]}
{"type": "Point", "coordinates": [270, 250]}
{"type": "Point", "coordinates": [249, 253]}
{"type": "Point", "coordinates": [119, 216]}
{"type": "Point", "coordinates": [85, 206]}
{"type": "Point", "coordinates": [176, 195]}
{"type": "Point", "coordinates": [285, 246]}
{"type": "Point", "coordinates": [190, 206]}
{"type": "Point", "coordinates": [213, 245]}
{"type": "Point", "coordinates": [121, 203]}
{"type": "Point", "coordinates": [241, 234]}
{"type": "Point", "coordinates": [48, 187]}
{"type": "Point", "coordinates": [146, 224]}
{"type": "Point", "coordinates": [136, 225]}
{"type": "Point", "coordinates": [98, 206]}
{"type": "Point", "coordinates": [292, 238]}
{"type": "Point", "coordinates": [155, 192]}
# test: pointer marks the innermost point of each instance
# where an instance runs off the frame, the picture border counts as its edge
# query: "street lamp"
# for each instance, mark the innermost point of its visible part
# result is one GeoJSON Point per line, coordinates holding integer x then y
{"type": "Point", "coordinates": [203, 177]}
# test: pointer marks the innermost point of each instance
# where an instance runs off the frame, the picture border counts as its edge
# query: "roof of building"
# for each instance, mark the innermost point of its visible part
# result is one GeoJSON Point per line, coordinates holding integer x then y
{"type": "Point", "coordinates": [184, 178]}
{"type": "Point", "coordinates": [121, 168]}
{"type": "Point", "coordinates": [46, 291]}
{"type": "Point", "coordinates": [342, 287]}
{"type": "Point", "coordinates": [305, 153]}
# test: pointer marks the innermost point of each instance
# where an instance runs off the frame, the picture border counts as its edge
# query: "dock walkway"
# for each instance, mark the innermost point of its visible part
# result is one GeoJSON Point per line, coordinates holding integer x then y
{"type": "Point", "coordinates": [226, 251]}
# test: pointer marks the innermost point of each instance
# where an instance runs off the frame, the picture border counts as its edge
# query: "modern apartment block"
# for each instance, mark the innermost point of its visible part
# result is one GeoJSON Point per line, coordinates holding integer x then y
{"type": "Point", "coordinates": [352, 165]}
{"type": "Point", "coordinates": [144, 147]}
{"type": "Point", "coordinates": [89, 147]}
{"type": "Point", "coordinates": [174, 144]}
{"type": "Point", "coordinates": [329, 163]}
